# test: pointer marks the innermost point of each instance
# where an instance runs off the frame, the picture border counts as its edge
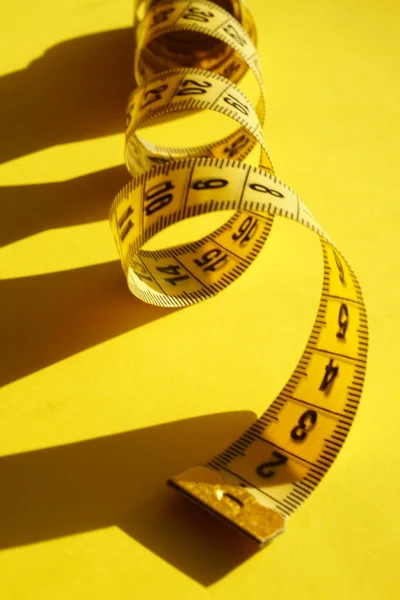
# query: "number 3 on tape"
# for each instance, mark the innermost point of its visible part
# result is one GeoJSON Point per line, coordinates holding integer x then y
{"type": "Point", "coordinates": [191, 56]}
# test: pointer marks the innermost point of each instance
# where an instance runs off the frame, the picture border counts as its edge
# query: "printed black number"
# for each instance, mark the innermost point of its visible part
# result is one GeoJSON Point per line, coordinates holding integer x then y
{"type": "Point", "coordinates": [196, 87]}
{"type": "Point", "coordinates": [154, 95]}
{"type": "Point", "coordinates": [125, 223]}
{"type": "Point", "coordinates": [174, 270]}
{"type": "Point", "coordinates": [343, 321]}
{"type": "Point", "coordinates": [246, 231]}
{"type": "Point", "coordinates": [209, 184]}
{"type": "Point", "coordinates": [140, 270]}
{"type": "Point", "coordinates": [212, 260]}
{"type": "Point", "coordinates": [306, 422]}
{"type": "Point", "coordinates": [161, 16]}
{"type": "Point", "coordinates": [340, 268]}
{"type": "Point", "coordinates": [237, 104]}
{"type": "Point", "coordinates": [265, 470]}
{"type": "Point", "coordinates": [331, 372]}
{"type": "Point", "coordinates": [258, 187]}
{"type": "Point", "coordinates": [157, 197]}
{"type": "Point", "coordinates": [196, 14]}
{"type": "Point", "coordinates": [237, 146]}
{"type": "Point", "coordinates": [234, 34]}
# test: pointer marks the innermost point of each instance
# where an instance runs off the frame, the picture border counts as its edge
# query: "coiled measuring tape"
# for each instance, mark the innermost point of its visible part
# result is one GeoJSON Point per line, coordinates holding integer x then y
{"type": "Point", "coordinates": [191, 56]}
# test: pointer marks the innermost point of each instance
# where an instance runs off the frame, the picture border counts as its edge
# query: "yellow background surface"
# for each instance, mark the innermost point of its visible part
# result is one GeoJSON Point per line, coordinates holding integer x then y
{"type": "Point", "coordinates": [104, 398]}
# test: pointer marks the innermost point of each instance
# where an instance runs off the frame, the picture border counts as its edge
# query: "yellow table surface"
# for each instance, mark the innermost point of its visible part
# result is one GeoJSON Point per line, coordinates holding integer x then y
{"type": "Point", "coordinates": [104, 397]}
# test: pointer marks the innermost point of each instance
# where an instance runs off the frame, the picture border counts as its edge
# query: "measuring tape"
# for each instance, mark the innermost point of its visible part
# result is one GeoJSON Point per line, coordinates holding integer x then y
{"type": "Point", "coordinates": [191, 56]}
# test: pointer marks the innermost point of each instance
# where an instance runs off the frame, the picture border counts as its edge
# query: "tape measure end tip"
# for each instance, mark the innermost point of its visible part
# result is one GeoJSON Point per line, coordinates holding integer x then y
{"type": "Point", "coordinates": [233, 503]}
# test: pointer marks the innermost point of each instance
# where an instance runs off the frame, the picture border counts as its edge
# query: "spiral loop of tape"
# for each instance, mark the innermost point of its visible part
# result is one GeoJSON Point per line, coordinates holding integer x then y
{"type": "Point", "coordinates": [192, 56]}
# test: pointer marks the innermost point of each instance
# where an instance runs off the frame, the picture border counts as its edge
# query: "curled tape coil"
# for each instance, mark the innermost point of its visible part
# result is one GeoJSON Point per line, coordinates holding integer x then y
{"type": "Point", "coordinates": [190, 57]}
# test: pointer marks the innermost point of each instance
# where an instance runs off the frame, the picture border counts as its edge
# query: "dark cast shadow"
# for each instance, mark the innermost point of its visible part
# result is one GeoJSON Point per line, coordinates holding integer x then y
{"type": "Point", "coordinates": [30, 209]}
{"type": "Point", "coordinates": [119, 480]}
{"type": "Point", "coordinates": [46, 318]}
{"type": "Point", "coordinates": [77, 90]}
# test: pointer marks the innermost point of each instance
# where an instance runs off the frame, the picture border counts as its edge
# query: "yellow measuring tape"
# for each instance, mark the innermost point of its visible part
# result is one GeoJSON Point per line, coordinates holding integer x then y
{"type": "Point", "coordinates": [191, 56]}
